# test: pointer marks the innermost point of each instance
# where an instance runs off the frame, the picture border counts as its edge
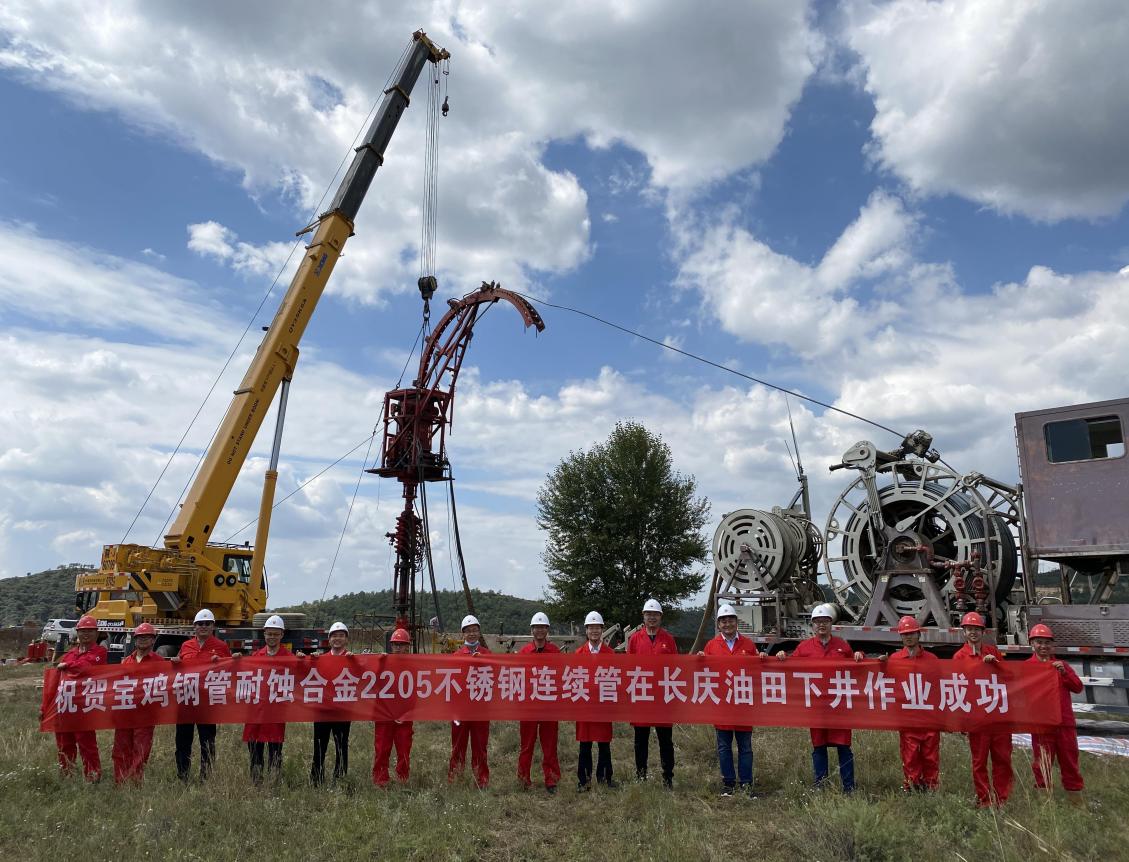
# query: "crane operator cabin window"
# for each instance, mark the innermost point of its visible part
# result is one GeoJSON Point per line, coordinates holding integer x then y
{"type": "Point", "coordinates": [1084, 439]}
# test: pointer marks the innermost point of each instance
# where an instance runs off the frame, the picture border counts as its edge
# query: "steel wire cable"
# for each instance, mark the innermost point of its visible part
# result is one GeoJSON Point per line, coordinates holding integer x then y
{"type": "Point", "coordinates": [710, 362]}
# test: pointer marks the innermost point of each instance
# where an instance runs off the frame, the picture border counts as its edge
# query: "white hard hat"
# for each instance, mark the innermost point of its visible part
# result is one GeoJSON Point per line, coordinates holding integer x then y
{"type": "Point", "coordinates": [204, 616]}
{"type": "Point", "coordinates": [339, 627]}
{"type": "Point", "coordinates": [469, 620]}
{"type": "Point", "coordinates": [824, 610]}
{"type": "Point", "coordinates": [725, 611]}
{"type": "Point", "coordinates": [274, 622]}
{"type": "Point", "coordinates": [593, 619]}
{"type": "Point", "coordinates": [539, 619]}
{"type": "Point", "coordinates": [652, 605]}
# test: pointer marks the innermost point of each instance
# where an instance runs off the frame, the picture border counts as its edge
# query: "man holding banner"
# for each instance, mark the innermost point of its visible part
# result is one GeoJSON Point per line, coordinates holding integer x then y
{"type": "Point", "coordinates": [476, 732]}
{"type": "Point", "coordinates": [731, 642]}
{"type": "Point", "coordinates": [86, 653]}
{"type": "Point", "coordinates": [823, 645]}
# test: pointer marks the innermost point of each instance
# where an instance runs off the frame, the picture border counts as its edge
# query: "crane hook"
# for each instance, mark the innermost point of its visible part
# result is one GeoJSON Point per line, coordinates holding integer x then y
{"type": "Point", "coordinates": [446, 106]}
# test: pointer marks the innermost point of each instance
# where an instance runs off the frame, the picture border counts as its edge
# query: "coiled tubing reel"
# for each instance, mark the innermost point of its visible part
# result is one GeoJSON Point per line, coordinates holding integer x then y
{"type": "Point", "coordinates": [771, 560]}
{"type": "Point", "coordinates": [910, 536]}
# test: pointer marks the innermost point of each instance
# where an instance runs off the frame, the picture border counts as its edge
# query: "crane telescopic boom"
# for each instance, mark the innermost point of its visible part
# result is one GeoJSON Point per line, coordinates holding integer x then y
{"type": "Point", "coordinates": [137, 581]}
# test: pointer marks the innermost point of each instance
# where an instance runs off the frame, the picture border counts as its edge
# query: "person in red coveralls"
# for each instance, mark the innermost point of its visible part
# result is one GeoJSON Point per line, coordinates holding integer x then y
{"type": "Point", "coordinates": [731, 642]}
{"type": "Point", "coordinates": [546, 731]}
{"type": "Point", "coordinates": [920, 749]}
{"type": "Point", "coordinates": [981, 744]}
{"type": "Point", "coordinates": [338, 730]}
{"type": "Point", "coordinates": [132, 744]}
{"type": "Point", "coordinates": [823, 645]}
{"type": "Point", "coordinates": [267, 736]}
{"type": "Point", "coordinates": [398, 733]}
{"type": "Point", "coordinates": [599, 732]}
{"type": "Point", "coordinates": [86, 653]}
{"type": "Point", "coordinates": [652, 639]}
{"type": "Point", "coordinates": [477, 732]}
{"type": "Point", "coordinates": [204, 647]}
{"type": "Point", "coordinates": [1060, 744]}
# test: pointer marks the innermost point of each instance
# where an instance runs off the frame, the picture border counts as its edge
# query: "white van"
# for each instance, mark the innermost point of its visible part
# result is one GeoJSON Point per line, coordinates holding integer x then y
{"type": "Point", "coordinates": [56, 629]}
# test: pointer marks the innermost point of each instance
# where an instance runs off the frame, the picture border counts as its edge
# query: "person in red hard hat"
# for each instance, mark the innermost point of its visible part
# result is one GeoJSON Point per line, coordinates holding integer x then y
{"type": "Point", "coordinates": [86, 653]}
{"type": "Point", "coordinates": [477, 733]}
{"type": "Point", "coordinates": [731, 642]}
{"type": "Point", "coordinates": [267, 738]}
{"type": "Point", "coordinates": [920, 749]}
{"type": "Point", "coordinates": [985, 743]}
{"type": "Point", "coordinates": [546, 731]}
{"type": "Point", "coordinates": [133, 744]}
{"type": "Point", "coordinates": [822, 644]}
{"type": "Point", "coordinates": [599, 732]}
{"type": "Point", "coordinates": [1060, 744]}
{"type": "Point", "coordinates": [653, 639]}
{"type": "Point", "coordinates": [204, 647]}
{"type": "Point", "coordinates": [397, 733]}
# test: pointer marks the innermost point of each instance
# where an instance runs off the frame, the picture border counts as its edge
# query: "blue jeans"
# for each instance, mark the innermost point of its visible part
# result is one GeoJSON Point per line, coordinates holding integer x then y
{"type": "Point", "coordinates": [846, 766]}
{"type": "Point", "coordinates": [744, 756]}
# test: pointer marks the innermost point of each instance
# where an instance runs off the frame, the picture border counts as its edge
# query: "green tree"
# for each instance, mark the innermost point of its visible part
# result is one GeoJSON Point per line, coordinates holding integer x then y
{"type": "Point", "coordinates": [623, 527]}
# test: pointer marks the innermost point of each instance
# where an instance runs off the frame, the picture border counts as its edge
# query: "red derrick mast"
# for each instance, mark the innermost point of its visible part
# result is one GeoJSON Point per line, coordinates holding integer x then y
{"type": "Point", "coordinates": [416, 419]}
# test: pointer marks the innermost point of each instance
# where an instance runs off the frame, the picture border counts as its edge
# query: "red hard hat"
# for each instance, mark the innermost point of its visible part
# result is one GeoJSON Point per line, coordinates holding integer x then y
{"type": "Point", "coordinates": [1040, 631]}
{"type": "Point", "coordinates": [907, 626]}
{"type": "Point", "coordinates": [401, 636]}
{"type": "Point", "coordinates": [144, 629]}
{"type": "Point", "coordinates": [972, 619]}
{"type": "Point", "coordinates": [87, 622]}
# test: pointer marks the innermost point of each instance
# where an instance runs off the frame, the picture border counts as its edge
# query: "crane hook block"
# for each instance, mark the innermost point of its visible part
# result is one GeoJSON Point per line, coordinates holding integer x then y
{"type": "Point", "coordinates": [446, 106]}
{"type": "Point", "coordinates": [427, 284]}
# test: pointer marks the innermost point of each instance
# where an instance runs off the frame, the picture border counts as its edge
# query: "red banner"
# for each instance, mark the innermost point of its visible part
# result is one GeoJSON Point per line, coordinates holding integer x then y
{"type": "Point", "coordinates": [739, 690]}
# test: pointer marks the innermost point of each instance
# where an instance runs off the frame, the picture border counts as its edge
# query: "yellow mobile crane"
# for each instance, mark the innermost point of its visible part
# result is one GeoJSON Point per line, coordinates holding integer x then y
{"type": "Point", "coordinates": [168, 585]}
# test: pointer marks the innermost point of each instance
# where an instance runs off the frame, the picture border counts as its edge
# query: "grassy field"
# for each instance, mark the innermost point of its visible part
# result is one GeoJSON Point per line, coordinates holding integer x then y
{"type": "Point", "coordinates": [46, 817]}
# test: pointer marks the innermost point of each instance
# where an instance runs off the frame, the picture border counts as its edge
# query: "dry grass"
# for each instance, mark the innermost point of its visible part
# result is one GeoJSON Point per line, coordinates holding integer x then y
{"type": "Point", "coordinates": [45, 817]}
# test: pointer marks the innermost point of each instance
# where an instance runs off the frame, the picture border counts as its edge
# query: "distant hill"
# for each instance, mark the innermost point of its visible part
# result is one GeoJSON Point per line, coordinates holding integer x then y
{"type": "Point", "coordinates": [48, 594]}
{"type": "Point", "coordinates": [40, 596]}
{"type": "Point", "coordinates": [499, 613]}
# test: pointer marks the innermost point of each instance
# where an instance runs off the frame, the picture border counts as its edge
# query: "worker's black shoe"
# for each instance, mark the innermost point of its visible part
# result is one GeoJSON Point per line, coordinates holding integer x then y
{"type": "Point", "coordinates": [551, 789]}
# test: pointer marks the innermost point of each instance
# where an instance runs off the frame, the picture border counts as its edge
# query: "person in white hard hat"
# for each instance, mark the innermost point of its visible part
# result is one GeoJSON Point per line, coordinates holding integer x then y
{"type": "Point", "coordinates": [204, 647]}
{"type": "Point", "coordinates": [599, 732]}
{"type": "Point", "coordinates": [338, 730]}
{"type": "Point", "coordinates": [730, 642]}
{"type": "Point", "coordinates": [822, 644]}
{"type": "Point", "coordinates": [653, 639]}
{"type": "Point", "coordinates": [546, 731]}
{"type": "Point", "coordinates": [267, 738]}
{"type": "Point", "coordinates": [476, 732]}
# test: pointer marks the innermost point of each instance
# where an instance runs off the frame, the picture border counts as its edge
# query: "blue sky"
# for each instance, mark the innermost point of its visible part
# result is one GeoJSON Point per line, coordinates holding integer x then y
{"type": "Point", "coordinates": [913, 210]}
